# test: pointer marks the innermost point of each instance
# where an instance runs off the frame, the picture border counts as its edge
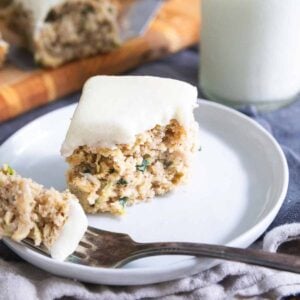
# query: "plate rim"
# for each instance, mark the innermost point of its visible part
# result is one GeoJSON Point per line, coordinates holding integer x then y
{"type": "Point", "coordinates": [180, 267]}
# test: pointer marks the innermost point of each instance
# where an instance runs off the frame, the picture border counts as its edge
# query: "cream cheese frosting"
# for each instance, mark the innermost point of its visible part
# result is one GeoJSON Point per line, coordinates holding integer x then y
{"type": "Point", "coordinates": [39, 10]}
{"type": "Point", "coordinates": [71, 233]}
{"type": "Point", "coordinates": [114, 109]}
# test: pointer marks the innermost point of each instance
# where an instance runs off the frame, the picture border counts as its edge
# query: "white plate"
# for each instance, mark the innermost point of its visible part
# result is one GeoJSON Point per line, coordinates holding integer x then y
{"type": "Point", "coordinates": [238, 184]}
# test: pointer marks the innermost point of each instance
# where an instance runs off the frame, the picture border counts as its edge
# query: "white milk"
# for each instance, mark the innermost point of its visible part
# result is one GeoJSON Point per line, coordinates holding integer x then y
{"type": "Point", "coordinates": [250, 51]}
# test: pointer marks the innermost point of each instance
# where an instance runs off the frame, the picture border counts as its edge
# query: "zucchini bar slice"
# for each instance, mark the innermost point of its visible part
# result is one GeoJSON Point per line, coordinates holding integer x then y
{"type": "Point", "coordinates": [28, 210]}
{"type": "Point", "coordinates": [131, 138]}
{"type": "Point", "coordinates": [58, 31]}
{"type": "Point", "coordinates": [3, 51]}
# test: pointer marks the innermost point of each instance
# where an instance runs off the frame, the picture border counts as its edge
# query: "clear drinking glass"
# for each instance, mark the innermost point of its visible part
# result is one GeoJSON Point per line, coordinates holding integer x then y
{"type": "Point", "coordinates": [250, 52]}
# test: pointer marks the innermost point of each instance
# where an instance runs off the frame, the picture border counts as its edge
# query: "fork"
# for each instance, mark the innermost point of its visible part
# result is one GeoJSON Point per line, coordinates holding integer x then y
{"type": "Point", "coordinates": [101, 248]}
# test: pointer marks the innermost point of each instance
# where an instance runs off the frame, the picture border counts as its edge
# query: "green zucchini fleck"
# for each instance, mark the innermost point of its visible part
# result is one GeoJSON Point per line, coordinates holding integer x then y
{"type": "Point", "coordinates": [8, 170]}
{"type": "Point", "coordinates": [143, 166]}
{"type": "Point", "coordinates": [123, 201]}
{"type": "Point", "coordinates": [122, 181]}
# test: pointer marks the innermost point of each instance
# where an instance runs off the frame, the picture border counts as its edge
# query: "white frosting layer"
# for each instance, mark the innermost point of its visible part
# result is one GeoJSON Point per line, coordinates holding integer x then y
{"type": "Point", "coordinates": [71, 233]}
{"type": "Point", "coordinates": [39, 9]}
{"type": "Point", "coordinates": [113, 109]}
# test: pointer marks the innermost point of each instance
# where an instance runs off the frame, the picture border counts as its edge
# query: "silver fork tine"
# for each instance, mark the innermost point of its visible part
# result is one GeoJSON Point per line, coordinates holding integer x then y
{"type": "Point", "coordinates": [97, 246]}
{"type": "Point", "coordinates": [97, 231]}
{"type": "Point", "coordinates": [85, 244]}
{"type": "Point", "coordinates": [93, 249]}
{"type": "Point", "coordinates": [43, 250]}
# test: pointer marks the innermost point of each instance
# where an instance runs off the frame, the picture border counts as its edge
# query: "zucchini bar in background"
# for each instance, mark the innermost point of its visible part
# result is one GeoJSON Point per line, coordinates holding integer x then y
{"type": "Point", "coordinates": [3, 51]}
{"type": "Point", "coordinates": [130, 138]}
{"type": "Point", "coordinates": [58, 31]}
{"type": "Point", "coordinates": [28, 210]}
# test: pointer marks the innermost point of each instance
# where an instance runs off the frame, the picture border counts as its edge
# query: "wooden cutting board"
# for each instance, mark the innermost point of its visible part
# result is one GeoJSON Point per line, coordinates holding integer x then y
{"type": "Point", "coordinates": [21, 88]}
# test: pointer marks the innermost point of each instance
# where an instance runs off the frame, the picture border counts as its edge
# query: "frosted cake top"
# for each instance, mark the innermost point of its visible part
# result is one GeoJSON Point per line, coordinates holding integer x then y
{"type": "Point", "coordinates": [114, 109]}
{"type": "Point", "coordinates": [38, 9]}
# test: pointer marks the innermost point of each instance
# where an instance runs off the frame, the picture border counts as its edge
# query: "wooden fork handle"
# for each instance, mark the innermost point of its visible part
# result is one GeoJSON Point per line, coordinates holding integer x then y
{"type": "Point", "coordinates": [277, 261]}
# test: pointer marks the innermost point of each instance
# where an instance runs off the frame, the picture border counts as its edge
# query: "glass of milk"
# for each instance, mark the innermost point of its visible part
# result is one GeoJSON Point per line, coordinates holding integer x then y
{"type": "Point", "coordinates": [250, 52]}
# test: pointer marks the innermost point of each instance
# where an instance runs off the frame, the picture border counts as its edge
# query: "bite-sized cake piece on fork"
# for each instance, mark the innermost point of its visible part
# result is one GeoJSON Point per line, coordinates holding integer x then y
{"type": "Point", "coordinates": [28, 210]}
{"type": "Point", "coordinates": [3, 51]}
{"type": "Point", "coordinates": [131, 138]}
{"type": "Point", "coordinates": [58, 31]}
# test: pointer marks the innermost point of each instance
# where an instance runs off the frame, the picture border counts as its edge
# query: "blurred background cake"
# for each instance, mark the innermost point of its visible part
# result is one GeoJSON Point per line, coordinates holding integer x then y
{"type": "Point", "coordinates": [3, 51]}
{"type": "Point", "coordinates": [59, 31]}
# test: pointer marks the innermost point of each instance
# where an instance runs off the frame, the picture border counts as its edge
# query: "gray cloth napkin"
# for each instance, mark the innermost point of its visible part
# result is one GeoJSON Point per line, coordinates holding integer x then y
{"type": "Point", "coordinates": [227, 280]}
